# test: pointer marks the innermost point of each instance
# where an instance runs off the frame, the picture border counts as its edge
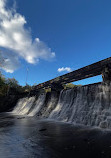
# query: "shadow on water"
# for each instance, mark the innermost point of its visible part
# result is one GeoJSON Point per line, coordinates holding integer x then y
{"type": "Point", "coordinates": [29, 138]}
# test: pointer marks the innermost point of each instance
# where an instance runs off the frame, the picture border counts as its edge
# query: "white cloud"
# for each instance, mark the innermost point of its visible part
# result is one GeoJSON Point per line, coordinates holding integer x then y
{"type": "Point", "coordinates": [16, 38]}
{"type": "Point", "coordinates": [9, 62]}
{"type": "Point", "coordinates": [62, 69]}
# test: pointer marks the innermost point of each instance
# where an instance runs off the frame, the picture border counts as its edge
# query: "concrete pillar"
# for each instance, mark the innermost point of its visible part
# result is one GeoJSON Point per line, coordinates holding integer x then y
{"type": "Point", "coordinates": [106, 75]}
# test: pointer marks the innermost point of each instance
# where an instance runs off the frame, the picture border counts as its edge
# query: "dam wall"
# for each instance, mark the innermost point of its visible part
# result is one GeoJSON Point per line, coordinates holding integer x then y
{"type": "Point", "coordinates": [87, 105]}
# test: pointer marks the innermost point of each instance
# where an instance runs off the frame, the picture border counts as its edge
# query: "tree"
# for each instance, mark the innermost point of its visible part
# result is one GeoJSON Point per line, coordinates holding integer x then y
{"type": "Point", "coordinates": [3, 86]}
{"type": "Point", "coordinates": [12, 82]}
{"type": "Point", "coordinates": [2, 79]}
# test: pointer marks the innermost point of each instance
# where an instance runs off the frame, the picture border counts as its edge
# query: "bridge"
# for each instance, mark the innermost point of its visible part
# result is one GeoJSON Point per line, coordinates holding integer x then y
{"type": "Point", "coordinates": [102, 67]}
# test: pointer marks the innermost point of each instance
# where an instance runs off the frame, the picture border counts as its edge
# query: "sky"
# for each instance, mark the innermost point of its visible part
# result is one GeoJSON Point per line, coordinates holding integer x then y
{"type": "Point", "coordinates": [48, 38]}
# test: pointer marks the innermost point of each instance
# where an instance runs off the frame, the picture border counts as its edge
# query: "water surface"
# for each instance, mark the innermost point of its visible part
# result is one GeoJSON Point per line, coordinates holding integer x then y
{"type": "Point", "coordinates": [22, 137]}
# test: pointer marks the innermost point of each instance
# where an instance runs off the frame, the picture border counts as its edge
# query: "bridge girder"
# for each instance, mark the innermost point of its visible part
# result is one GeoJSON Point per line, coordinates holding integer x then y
{"type": "Point", "coordinates": [94, 69]}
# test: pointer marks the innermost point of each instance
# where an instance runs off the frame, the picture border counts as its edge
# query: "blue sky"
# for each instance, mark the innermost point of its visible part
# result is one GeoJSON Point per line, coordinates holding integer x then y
{"type": "Point", "coordinates": [77, 31]}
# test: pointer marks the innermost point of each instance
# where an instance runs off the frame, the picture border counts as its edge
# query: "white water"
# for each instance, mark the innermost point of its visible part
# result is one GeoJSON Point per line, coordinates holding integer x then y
{"type": "Point", "coordinates": [38, 105]}
{"type": "Point", "coordinates": [88, 105]}
{"type": "Point", "coordinates": [23, 106]}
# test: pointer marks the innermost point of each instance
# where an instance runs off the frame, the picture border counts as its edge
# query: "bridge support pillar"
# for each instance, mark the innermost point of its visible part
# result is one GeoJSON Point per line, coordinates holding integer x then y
{"type": "Point", "coordinates": [106, 75]}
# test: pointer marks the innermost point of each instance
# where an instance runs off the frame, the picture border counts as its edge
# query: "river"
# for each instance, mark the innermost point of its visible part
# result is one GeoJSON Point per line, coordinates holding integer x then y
{"type": "Point", "coordinates": [27, 137]}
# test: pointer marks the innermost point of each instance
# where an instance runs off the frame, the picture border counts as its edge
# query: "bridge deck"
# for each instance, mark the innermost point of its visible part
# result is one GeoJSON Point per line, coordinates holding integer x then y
{"type": "Point", "coordinates": [82, 73]}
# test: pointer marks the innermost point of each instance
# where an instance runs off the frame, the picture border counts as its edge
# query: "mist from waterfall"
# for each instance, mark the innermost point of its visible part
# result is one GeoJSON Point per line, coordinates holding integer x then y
{"type": "Point", "coordinates": [87, 105]}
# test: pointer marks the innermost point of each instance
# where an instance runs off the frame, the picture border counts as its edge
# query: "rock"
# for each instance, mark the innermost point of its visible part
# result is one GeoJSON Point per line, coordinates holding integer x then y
{"type": "Point", "coordinates": [20, 117]}
{"type": "Point", "coordinates": [43, 129]}
{"type": "Point", "coordinates": [103, 124]}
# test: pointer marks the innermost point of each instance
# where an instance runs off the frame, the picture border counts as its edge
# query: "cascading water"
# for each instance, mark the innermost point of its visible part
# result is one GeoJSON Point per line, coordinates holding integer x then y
{"type": "Point", "coordinates": [50, 103]}
{"type": "Point", "coordinates": [38, 105]}
{"type": "Point", "coordinates": [88, 105]}
{"type": "Point", "coordinates": [23, 106]}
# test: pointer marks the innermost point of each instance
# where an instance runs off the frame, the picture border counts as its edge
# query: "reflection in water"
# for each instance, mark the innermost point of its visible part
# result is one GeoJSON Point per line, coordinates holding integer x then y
{"type": "Point", "coordinates": [21, 138]}
{"type": "Point", "coordinates": [29, 138]}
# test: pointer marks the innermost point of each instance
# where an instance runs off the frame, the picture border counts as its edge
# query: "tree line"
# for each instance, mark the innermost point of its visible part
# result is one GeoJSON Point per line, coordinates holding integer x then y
{"type": "Point", "coordinates": [11, 85]}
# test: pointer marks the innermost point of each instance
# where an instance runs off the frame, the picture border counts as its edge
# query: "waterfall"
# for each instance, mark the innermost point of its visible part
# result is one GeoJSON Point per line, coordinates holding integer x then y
{"type": "Point", "coordinates": [88, 105]}
{"type": "Point", "coordinates": [49, 104]}
{"type": "Point", "coordinates": [38, 105]}
{"type": "Point", "coordinates": [23, 106]}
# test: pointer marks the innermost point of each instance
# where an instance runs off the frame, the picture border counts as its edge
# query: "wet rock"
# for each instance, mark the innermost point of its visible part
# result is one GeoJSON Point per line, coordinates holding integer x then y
{"type": "Point", "coordinates": [43, 129]}
{"type": "Point", "coordinates": [20, 117]}
{"type": "Point", "coordinates": [103, 124]}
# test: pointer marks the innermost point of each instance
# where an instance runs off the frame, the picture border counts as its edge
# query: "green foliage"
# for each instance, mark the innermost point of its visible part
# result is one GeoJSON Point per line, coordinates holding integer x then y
{"type": "Point", "coordinates": [12, 82]}
{"type": "Point", "coordinates": [2, 79]}
{"type": "Point", "coordinates": [70, 85]}
{"type": "Point", "coordinates": [47, 90]}
{"type": "Point", "coordinates": [3, 86]}
{"type": "Point", "coordinates": [9, 85]}
{"type": "Point", "coordinates": [3, 90]}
